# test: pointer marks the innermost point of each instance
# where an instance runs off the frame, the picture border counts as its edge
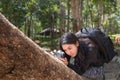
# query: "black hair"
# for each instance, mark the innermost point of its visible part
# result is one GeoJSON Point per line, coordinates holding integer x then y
{"type": "Point", "coordinates": [68, 38]}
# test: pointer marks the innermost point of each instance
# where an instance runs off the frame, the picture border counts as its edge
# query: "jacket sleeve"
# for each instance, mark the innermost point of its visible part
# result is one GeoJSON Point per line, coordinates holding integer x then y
{"type": "Point", "coordinates": [77, 68]}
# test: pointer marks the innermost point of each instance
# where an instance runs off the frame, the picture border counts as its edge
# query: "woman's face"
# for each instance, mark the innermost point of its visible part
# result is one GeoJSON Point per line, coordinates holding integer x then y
{"type": "Point", "coordinates": [71, 49]}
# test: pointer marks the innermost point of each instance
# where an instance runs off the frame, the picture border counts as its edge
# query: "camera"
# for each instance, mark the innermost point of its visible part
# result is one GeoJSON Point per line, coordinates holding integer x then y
{"type": "Point", "coordinates": [59, 53]}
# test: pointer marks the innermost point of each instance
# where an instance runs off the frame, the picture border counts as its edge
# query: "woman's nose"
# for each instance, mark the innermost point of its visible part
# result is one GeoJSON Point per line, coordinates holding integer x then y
{"type": "Point", "coordinates": [68, 52]}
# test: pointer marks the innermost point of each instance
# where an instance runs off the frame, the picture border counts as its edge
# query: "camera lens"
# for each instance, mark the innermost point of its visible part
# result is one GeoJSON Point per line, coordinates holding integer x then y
{"type": "Point", "coordinates": [59, 53]}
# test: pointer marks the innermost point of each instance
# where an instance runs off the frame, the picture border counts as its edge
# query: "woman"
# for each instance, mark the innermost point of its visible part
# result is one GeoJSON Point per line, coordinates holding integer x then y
{"type": "Point", "coordinates": [81, 57]}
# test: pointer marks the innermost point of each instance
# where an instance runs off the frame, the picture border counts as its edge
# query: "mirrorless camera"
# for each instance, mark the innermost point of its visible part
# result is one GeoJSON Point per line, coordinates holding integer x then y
{"type": "Point", "coordinates": [59, 53]}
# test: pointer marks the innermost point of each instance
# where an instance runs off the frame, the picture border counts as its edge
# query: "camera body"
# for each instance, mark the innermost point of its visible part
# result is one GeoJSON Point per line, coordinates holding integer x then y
{"type": "Point", "coordinates": [59, 53]}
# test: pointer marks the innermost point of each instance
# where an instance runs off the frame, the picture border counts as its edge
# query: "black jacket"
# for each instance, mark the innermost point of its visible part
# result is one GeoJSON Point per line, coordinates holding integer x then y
{"type": "Point", "coordinates": [88, 55]}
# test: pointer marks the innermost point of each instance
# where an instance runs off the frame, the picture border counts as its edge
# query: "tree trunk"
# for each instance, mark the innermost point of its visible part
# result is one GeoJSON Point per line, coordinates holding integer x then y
{"type": "Point", "coordinates": [22, 59]}
{"type": "Point", "coordinates": [68, 15]}
{"type": "Point", "coordinates": [62, 20]}
{"type": "Point", "coordinates": [76, 15]}
{"type": "Point", "coordinates": [100, 12]}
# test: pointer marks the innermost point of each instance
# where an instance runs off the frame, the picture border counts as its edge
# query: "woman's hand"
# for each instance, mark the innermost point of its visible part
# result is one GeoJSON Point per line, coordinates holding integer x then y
{"type": "Point", "coordinates": [64, 60]}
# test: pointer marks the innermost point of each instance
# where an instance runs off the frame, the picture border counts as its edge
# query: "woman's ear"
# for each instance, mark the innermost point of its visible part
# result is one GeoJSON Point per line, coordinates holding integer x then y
{"type": "Point", "coordinates": [77, 43]}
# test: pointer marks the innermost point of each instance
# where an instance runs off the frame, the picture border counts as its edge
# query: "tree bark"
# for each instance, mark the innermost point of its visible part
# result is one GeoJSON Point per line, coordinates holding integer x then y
{"type": "Point", "coordinates": [62, 20]}
{"type": "Point", "coordinates": [76, 15]}
{"type": "Point", "coordinates": [22, 59]}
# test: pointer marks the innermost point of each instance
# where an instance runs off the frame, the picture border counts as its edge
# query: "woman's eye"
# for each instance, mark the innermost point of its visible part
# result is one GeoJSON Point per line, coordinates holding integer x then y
{"type": "Point", "coordinates": [69, 48]}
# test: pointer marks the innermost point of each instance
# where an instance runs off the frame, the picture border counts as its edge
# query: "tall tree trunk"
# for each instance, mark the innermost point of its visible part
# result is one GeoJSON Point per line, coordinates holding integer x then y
{"type": "Point", "coordinates": [62, 20]}
{"type": "Point", "coordinates": [76, 15]}
{"type": "Point", "coordinates": [100, 12]}
{"type": "Point", "coordinates": [22, 59]}
{"type": "Point", "coordinates": [80, 10]}
{"type": "Point", "coordinates": [27, 27]}
{"type": "Point", "coordinates": [68, 14]}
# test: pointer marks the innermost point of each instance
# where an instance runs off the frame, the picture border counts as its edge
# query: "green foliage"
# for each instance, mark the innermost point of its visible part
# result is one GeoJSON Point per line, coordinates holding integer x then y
{"type": "Point", "coordinates": [14, 10]}
{"type": "Point", "coordinates": [42, 14]}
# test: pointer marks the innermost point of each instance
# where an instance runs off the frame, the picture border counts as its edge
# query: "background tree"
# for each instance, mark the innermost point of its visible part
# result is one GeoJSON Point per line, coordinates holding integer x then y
{"type": "Point", "coordinates": [76, 15]}
{"type": "Point", "coordinates": [33, 16]}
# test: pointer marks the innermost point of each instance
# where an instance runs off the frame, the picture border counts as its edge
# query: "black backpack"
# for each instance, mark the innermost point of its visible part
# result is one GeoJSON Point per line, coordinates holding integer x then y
{"type": "Point", "coordinates": [104, 43]}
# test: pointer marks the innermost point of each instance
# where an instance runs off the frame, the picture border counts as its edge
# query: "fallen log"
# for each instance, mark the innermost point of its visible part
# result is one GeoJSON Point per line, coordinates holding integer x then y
{"type": "Point", "coordinates": [22, 59]}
